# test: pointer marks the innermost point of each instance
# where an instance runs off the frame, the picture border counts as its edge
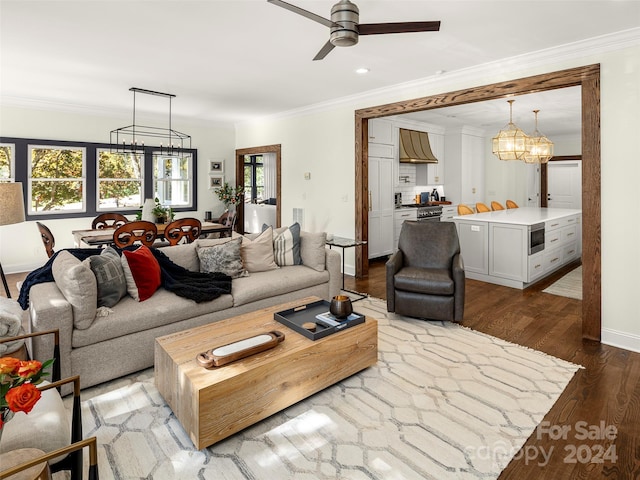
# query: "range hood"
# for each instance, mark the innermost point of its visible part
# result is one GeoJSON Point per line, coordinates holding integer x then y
{"type": "Point", "coordinates": [415, 147]}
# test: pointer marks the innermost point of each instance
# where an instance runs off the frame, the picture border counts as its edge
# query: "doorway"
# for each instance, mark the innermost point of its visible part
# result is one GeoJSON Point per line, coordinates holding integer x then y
{"type": "Point", "coordinates": [256, 189]}
{"type": "Point", "coordinates": [588, 78]}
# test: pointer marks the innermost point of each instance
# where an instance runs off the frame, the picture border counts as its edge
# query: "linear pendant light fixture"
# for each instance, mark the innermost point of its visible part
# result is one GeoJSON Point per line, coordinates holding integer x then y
{"type": "Point", "coordinates": [134, 138]}
{"type": "Point", "coordinates": [540, 148]}
{"type": "Point", "coordinates": [511, 142]}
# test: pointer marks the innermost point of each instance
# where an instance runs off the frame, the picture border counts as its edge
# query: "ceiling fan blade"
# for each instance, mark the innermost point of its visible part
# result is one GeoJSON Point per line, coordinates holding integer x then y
{"type": "Point", "coordinates": [304, 13]}
{"type": "Point", "coordinates": [324, 51]}
{"type": "Point", "coordinates": [398, 27]}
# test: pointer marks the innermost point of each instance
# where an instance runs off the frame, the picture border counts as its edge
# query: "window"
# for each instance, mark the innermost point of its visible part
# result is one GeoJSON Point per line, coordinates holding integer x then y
{"type": "Point", "coordinates": [253, 178]}
{"type": "Point", "coordinates": [120, 180]}
{"type": "Point", "coordinates": [68, 179]}
{"type": "Point", "coordinates": [7, 162]}
{"type": "Point", "coordinates": [56, 179]}
{"type": "Point", "coordinates": [172, 179]}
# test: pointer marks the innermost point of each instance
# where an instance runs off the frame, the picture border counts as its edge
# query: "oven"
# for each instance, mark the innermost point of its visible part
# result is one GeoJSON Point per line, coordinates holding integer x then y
{"type": "Point", "coordinates": [429, 214]}
{"type": "Point", "coordinates": [536, 238]}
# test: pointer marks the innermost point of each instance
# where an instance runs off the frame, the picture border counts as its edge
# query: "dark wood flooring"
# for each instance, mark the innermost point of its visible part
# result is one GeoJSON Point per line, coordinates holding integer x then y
{"type": "Point", "coordinates": [605, 394]}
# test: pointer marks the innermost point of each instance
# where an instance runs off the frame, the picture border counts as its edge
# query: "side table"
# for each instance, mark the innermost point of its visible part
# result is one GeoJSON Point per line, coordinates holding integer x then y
{"type": "Point", "coordinates": [14, 458]}
{"type": "Point", "coordinates": [343, 243]}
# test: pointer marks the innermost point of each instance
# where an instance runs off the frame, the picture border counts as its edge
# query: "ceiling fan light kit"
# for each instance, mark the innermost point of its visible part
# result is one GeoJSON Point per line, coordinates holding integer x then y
{"type": "Point", "coordinates": [345, 28]}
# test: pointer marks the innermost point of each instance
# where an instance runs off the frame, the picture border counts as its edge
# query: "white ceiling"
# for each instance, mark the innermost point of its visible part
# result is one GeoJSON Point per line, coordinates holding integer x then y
{"type": "Point", "coordinates": [231, 61]}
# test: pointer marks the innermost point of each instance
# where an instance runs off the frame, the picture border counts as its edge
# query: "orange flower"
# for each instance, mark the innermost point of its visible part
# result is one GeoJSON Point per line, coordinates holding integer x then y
{"type": "Point", "coordinates": [9, 365]}
{"type": "Point", "coordinates": [29, 368]}
{"type": "Point", "coordinates": [23, 397]}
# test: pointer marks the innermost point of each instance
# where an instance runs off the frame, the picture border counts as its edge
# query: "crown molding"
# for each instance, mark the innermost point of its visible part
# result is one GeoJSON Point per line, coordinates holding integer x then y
{"type": "Point", "coordinates": [562, 53]}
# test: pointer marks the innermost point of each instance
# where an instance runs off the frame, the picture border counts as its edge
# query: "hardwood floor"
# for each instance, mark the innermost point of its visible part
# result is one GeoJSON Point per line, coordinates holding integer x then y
{"type": "Point", "coordinates": [604, 394]}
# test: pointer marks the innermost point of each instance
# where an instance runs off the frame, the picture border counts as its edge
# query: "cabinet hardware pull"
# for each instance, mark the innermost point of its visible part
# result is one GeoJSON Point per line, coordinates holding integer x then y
{"type": "Point", "coordinates": [569, 234]}
{"type": "Point", "coordinates": [554, 259]}
{"type": "Point", "coordinates": [370, 206]}
{"type": "Point", "coordinates": [553, 240]}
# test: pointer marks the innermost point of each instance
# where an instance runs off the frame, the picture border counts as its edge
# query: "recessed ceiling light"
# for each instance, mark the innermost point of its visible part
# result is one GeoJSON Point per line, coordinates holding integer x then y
{"type": "Point", "coordinates": [362, 71]}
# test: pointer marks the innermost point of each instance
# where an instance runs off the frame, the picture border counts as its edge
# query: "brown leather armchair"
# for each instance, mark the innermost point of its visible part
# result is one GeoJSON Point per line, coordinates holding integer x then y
{"type": "Point", "coordinates": [425, 277]}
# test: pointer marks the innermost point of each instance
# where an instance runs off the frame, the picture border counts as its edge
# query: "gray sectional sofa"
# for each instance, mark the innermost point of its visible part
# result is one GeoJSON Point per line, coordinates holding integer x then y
{"type": "Point", "coordinates": [120, 340]}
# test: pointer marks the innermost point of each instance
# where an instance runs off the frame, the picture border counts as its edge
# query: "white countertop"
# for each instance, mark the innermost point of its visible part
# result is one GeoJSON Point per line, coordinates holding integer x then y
{"type": "Point", "coordinates": [520, 216]}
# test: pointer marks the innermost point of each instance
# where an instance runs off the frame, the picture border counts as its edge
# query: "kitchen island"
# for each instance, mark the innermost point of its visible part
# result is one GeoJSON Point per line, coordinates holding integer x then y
{"type": "Point", "coordinates": [520, 246]}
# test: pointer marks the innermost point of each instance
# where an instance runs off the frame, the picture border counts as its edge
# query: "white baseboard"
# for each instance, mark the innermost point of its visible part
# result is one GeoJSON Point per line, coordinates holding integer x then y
{"type": "Point", "coordinates": [625, 340]}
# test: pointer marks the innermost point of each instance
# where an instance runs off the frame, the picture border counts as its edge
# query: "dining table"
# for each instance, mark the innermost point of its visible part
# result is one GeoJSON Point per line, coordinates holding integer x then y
{"type": "Point", "coordinates": [95, 237]}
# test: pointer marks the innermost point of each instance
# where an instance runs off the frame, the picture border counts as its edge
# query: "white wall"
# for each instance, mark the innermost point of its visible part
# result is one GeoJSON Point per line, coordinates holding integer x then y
{"type": "Point", "coordinates": [20, 246]}
{"type": "Point", "coordinates": [323, 142]}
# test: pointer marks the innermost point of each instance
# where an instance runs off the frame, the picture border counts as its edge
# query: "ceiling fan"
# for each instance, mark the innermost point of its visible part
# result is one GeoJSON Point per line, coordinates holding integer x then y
{"type": "Point", "coordinates": [345, 28]}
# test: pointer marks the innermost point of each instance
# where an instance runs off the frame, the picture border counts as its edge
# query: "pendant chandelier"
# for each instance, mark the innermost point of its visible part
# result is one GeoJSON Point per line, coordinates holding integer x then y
{"type": "Point", "coordinates": [511, 142]}
{"type": "Point", "coordinates": [540, 148]}
{"type": "Point", "coordinates": [134, 138]}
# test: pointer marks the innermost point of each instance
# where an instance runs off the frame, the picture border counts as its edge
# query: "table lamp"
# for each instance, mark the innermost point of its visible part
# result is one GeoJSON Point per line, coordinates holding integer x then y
{"type": "Point", "coordinates": [11, 211]}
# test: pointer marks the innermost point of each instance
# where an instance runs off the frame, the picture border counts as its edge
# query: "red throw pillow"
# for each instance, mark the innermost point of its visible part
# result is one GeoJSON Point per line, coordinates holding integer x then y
{"type": "Point", "coordinates": [142, 272]}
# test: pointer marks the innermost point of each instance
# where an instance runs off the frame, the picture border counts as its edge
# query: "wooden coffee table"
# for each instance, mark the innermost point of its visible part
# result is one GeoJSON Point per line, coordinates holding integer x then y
{"type": "Point", "coordinates": [214, 404]}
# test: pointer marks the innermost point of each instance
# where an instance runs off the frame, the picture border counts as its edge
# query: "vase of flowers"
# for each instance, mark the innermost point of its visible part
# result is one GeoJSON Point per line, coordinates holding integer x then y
{"type": "Point", "coordinates": [18, 391]}
{"type": "Point", "coordinates": [229, 195]}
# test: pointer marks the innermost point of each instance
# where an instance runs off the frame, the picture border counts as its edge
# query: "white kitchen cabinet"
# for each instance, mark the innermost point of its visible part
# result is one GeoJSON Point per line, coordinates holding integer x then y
{"type": "Point", "coordinates": [380, 131]}
{"type": "Point", "coordinates": [474, 245]}
{"type": "Point", "coordinates": [399, 217]}
{"type": "Point", "coordinates": [381, 206]}
{"type": "Point", "coordinates": [508, 251]}
{"type": "Point", "coordinates": [448, 212]}
{"type": "Point", "coordinates": [464, 166]}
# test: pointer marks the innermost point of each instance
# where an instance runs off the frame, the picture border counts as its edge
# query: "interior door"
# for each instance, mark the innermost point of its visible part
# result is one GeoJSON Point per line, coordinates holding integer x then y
{"type": "Point", "coordinates": [533, 185]}
{"type": "Point", "coordinates": [564, 184]}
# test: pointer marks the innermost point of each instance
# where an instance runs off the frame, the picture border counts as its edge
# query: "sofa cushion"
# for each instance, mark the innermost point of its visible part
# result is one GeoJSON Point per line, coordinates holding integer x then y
{"type": "Point", "coordinates": [142, 272]}
{"type": "Point", "coordinates": [262, 285]}
{"type": "Point", "coordinates": [286, 245]}
{"type": "Point", "coordinates": [257, 254]}
{"type": "Point", "coordinates": [223, 257]}
{"type": "Point", "coordinates": [312, 249]}
{"type": "Point", "coordinates": [129, 316]}
{"type": "Point", "coordinates": [78, 284]}
{"type": "Point", "coordinates": [184, 255]}
{"type": "Point", "coordinates": [110, 279]}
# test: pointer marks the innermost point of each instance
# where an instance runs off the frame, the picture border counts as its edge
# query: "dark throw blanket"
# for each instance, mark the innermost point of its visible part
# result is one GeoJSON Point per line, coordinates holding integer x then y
{"type": "Point", "coordinates": [197, 286]}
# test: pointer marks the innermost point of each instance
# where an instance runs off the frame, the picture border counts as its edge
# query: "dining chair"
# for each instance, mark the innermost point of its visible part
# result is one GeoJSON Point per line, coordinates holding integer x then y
{"type": "Point", "coordinates": [108, 220]}
{"type": "Point", "coordinates": [496, 206]}
{"type": "Point", "coordinates": [52, 427]}
{"type": "Point", "coordinates": [132, 232]}
{"type": "Point", "coordinates": [481, 207]}
{"type": "Point", "coordinates": [464, 209]}
{"type": "Point", "coordinates": [47, 238]}
{"type": "Point", "coordinates": [185, 228]}
{"type": "Point", "coordinates": [511, 204]}
{"type": "Point", "coordinates": [228, 219]}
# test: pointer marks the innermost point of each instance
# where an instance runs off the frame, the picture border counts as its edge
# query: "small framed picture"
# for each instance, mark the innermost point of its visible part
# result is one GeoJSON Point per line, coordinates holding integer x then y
{"type": "Point", "coordinates": [215, 181]}
{"type": "Point", "coordinates": [216, 166]}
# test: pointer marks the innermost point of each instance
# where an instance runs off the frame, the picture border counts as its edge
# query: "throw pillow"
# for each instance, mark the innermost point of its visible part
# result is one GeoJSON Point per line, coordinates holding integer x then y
{"type": "Point", "coordinates": [142, 271]}
{"type": "Point", "coordinates": [286, 245]}
{"type": "Point", "coordinates": [77, 283]}
{"type": "Point", "coordinates": [223, 257]}
{"type": "Point", "coordinates": [312, 250]}
{"type": "Point", "coordinates": [257, 254]}
{"type": "Point", "coordinates": [112, 284]}
{"type": "Point", "coordinates": [11, 318]}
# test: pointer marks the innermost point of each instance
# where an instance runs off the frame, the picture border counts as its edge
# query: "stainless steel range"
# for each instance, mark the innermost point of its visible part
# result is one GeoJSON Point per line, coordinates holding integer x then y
{"type": "Point", "coordinates": [431, 213]}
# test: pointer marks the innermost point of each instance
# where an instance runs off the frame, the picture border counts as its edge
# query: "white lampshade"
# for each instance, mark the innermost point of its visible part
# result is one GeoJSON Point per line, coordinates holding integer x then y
{"type": "Point", "coordinates": [11, 203]}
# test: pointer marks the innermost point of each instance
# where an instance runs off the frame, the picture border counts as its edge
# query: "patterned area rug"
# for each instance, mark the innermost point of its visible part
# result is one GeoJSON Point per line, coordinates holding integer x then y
{"type": "Point", "coordinates": [443, 402]}
{"type": "Point", "coordinates": [568, 286]}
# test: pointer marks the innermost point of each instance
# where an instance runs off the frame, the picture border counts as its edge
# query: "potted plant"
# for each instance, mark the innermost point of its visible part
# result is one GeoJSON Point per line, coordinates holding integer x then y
{"type": "Point", "coordinates": [229, 195]}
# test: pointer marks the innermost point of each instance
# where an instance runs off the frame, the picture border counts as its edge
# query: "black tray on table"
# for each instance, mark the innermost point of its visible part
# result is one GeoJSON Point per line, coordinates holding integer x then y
{"type": "Point", "coordinates": [295, 317]}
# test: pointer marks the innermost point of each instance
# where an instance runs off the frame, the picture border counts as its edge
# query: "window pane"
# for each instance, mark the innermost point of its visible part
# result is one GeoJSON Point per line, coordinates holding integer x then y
{"type": "Point", "coordinates": [56, 195]}
{"type": "Point", "coordinates": [56, 179]}
{"type": "Point", "coordinates": [119, 180]}
{"type": "Point", "coordinates": [7, 152]}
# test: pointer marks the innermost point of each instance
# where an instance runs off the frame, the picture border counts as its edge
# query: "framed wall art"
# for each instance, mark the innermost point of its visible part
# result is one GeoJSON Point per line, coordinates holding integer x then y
{"type": "Point", "coordinates": [216, 166]}
{"type": "Point", "coordinates": [215, 181]}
